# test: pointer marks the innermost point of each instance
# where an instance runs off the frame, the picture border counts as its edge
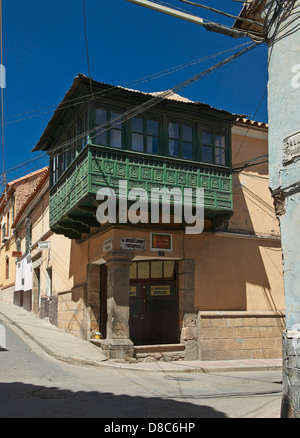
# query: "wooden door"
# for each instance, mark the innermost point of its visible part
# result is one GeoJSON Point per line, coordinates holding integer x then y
{"type": "Point", "coordinates": [154, 312]}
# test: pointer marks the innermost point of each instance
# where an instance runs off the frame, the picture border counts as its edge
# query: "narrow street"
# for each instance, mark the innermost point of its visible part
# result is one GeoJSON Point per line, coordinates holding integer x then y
{"type": "Point", "coordinates": [34, 385]}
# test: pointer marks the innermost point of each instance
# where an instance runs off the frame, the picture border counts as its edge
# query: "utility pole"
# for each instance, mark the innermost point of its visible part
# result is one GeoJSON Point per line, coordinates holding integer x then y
{"type": "Point", "coordinates": [281, 32]}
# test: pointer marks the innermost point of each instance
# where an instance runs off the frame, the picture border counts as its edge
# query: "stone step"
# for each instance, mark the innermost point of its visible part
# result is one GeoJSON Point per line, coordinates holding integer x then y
{"type": "Point", "coordinates": [164, 352]}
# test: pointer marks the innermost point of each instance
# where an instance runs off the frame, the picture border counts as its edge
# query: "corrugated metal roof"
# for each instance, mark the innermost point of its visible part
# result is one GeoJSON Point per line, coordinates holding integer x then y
{"type": "Point", "coordinates": [82, 79]}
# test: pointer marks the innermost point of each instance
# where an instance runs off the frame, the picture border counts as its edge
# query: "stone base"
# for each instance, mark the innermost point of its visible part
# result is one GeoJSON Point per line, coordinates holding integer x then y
{"type": "Point", "coordinates": [290, 407]}
{"type": "Point", "coordinates": [118, 348]}
{"type": "Point", "coordinates": [163, 353]}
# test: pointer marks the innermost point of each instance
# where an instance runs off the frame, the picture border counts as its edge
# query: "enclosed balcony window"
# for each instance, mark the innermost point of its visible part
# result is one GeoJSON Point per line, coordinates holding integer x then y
{"type": "Point", "coordinates": [213, 146]}
{"type": "Point", "coordinates": [145, 135]}
{"type": "Point", "coordinates": [181, 139]}
{"type": "Point", "coordinates": [104, 134]}
{"type": "Point", "coordinates": [72, 143]}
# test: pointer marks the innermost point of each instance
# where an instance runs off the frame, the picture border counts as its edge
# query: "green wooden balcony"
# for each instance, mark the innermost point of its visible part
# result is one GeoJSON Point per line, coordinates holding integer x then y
{"type": "Point", "coordinates": [73, 201]}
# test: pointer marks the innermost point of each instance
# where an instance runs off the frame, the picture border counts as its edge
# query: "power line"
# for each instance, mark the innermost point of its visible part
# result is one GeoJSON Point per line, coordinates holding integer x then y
{"type": "Point", "coordinates": [86, 45]}
{"type": "Point", "coordinates": [209, 8]}
{"type": "Point", "coordinates": [210, 26]}
{"type": "Point", "coordinates": [144, 79]}
{"type": "Point", "coordinates": [2, 94]}
{"type": "Point", "coordinates": [253, 117]}
{"type": "Point", "coordinates": [152, 102]}
{"type": "Point", "coordinates": [80, 100]}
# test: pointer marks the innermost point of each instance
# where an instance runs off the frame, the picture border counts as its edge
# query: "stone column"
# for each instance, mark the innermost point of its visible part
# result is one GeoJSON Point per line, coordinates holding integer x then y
{"type": "Point", "coordinates": [92, 300]}
{"type": "Point", "coordinates": [117, 344]}
{"type": "Point", "coordinates": [188, 314]}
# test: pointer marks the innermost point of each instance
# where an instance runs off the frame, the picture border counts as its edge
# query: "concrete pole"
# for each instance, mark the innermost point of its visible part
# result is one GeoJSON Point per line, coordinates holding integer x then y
{"type": "Point", "coordinates": [284, 170]}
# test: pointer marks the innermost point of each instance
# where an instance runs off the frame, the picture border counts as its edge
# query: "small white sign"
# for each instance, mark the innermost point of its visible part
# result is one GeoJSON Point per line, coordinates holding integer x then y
{"type": "Point", "coordinates": [107, 245]}
{"type": "Point", "coordinates": [291, 149]}
{"type": "Point", "coordinates": [2, 337]}
{"type": "Point", "coordinates": [133, 243]}
{"type": "Point", "coordinates": [44, 245]}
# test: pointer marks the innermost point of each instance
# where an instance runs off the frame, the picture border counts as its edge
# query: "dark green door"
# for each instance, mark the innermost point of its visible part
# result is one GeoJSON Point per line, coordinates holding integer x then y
{"type": "Point", "coordinates": [153, 312]}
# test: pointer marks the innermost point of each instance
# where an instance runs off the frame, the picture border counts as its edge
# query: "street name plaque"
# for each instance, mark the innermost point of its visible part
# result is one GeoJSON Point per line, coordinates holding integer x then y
{"type": "Point", "coordinates": [291, 149]}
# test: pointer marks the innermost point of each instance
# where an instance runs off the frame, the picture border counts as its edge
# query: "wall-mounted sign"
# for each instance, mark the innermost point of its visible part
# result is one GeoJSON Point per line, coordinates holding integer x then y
{"type": "Point", "coordinates": [17, 253]}
{"type": "Point", "coordinates": [291, 149]}
{"type": "Point", "coordinates": [44, 245]}
{"type": "Point", "coordinates": [107, 245]}
{"type": "Point", "coordinates": [132, 291]}
{"type": "Point", "coordinates": [161, 242]}
{"type": "Point", "coordinates": [158, 291]}
{"type": "Point", "coordinates": [133, 243]}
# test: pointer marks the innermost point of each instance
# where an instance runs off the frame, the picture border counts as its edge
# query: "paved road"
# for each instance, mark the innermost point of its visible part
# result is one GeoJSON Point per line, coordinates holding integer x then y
{"type": "Point", "coordinates": [34, 385]}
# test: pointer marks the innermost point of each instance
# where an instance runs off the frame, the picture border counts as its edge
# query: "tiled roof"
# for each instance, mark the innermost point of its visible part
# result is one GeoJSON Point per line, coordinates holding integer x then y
{"type": "Point", "coordinates": [37, 188]}
{"type": "Point", "coordinates": [253, 123]}
{"type": "Point", "coordinates": [29, 175]}
{"type": "Point", "coordinates": [12, 184]}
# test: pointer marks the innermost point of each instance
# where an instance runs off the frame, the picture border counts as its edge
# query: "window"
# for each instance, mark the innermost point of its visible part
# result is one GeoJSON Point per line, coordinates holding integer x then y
{"type": "Point", "coordinates": [181, 140]}
{"type": "Point", "coordinates": [112, 136]}
{"type": "Point", "coordinates": [214, 146]}
{"type": "Point", "coordinates": [7, 225]}
{"type": "Point", "coordinates": [28, 236]}
{"type": "Point", "coordinates": [157, 269]}
{"type": "Point", "coordinates": [49, 282]}
{"type": "Point", "coordinates": [220, 148]}
{"type": "Point", "coordinates": [75, 139]}
{"type": "Point", "coordinates": [145, 135]}
{"type": "Point", "coordinates": [207, 146]}
{"type": "Point", "coordinates": [7, 268]}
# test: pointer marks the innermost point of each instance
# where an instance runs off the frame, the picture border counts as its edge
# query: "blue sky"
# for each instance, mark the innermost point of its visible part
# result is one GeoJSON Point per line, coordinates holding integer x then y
{"type": "Point", "coordinates": [44, 49]}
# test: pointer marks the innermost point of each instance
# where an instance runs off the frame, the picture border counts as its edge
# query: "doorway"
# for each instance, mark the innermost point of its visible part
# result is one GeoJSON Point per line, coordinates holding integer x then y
{"type": "Point", "coordinates": [153, 303]}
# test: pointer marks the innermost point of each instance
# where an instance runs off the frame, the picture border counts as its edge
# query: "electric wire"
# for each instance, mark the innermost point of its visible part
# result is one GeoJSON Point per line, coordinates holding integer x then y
{"type": "Point", "coordinates": [2, 95]}
{"type": "Point", "coordinates": [146, 105]}
{"type": "Point", "coordinates": [212, 26]}
{"type": "Point", "coordinates": [81, 99]}
{"type": "Point", "coordinates": [28, 162]}
{"type": "Point", "coordinates": [209, 8]}
{"type": "Point", "coordinates": [86, 45]}
{"type": "Point", "coordinates": [253, 117]}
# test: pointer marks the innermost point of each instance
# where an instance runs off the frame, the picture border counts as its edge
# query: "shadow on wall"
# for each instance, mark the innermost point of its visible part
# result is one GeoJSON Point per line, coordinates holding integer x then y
{"type": "Point", "coordinates": [229, 264]}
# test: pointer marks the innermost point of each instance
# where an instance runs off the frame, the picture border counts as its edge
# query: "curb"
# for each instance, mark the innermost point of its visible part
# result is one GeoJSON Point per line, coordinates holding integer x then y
{"type": "Point", "coordinates": [157, 367]}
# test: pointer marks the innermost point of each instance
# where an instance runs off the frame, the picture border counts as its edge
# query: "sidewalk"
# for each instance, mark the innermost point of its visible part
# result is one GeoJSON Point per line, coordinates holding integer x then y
{"type": "Point", "coordinates": [70, 349]}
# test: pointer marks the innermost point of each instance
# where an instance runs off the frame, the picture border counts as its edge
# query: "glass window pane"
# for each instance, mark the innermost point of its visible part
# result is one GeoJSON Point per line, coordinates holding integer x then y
{"type": "Point", "coordinates": [133, 271]}
{"type": "Point", "coordinates": [187, 150]}
{"type": "Point", "coordinates": [156, 269]}
{"type": "Point", "coordinates": [114, 114]}
{"type": "Point", "coordinates": [173, 148]}
{"type": "Point", "coordinates": [101, 116]}
{"type": "Point", "coordinates": [138, 142]}
{"type": "Point", "coordinates": [152, 127]}
{"type": "Point", "coordinates": [173, 130]}
{"type": "Point", "coordinates": [152, 145]}
{"type": "Point", "coordinates": [169, 268]}
{"type": "Point", "coordinates": [220, 156]}
{"type": "Point", "coordinates": [207, 154]}
{"type": "Point", "coordinates": [143, 269]}
{"type": "Point", "coordinates": [116, 138]}
{"type": "Point", "coordinates": [207, 137]}
{"type": "Point", "coordinates": [137, 124]}
{"type": "Point", "coordinates": [220, 140]}
{"type": "Point", "coordinates": [187, 133]}
{"type": "Point", "coordinates": [101, 139]}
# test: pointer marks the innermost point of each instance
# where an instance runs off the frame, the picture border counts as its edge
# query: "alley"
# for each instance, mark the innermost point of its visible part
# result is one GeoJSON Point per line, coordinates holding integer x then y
{"type": "Point", "coordinates": [34, 385]}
